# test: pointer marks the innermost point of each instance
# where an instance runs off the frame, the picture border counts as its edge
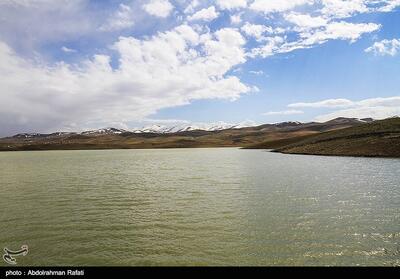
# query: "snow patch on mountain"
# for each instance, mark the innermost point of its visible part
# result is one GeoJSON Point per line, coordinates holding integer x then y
{"type": "Point", "coordinates": [217, 126]}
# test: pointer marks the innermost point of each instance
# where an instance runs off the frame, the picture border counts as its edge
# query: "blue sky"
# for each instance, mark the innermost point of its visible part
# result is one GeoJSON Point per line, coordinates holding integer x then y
{"type": "Point", "coordinates": [80, 64]}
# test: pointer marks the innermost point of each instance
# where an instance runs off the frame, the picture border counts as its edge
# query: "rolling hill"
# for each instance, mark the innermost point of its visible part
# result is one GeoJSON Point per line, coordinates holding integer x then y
{"type": "Point", "coordinates": [111, 138]}
{"type": "Point", "coordinates": [375, 139]}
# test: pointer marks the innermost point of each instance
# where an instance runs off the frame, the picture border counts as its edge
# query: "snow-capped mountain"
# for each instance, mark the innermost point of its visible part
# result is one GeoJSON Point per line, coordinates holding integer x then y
{"type": "Point", "coordinates": [165, 129]}
{"type": "Point", "coordinates": [104, 131]}
{"type": "Point", "coordinates": [159, 129]}
{"type": "Point", "coordinates": [27, 135]}
{"type": "Point", "coordinates": [193, 127]}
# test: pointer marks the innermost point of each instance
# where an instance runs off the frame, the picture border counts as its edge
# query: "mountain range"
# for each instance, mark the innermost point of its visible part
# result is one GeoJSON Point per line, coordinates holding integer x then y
{"type": "Point", "coordinates": [176, 136]}
{"type": "Point", "coordinates": [155, 129]}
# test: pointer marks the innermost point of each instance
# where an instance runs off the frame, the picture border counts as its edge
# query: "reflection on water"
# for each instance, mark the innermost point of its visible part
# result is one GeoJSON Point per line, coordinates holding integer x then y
{"type": "Point", "coordinates": [199, 207]}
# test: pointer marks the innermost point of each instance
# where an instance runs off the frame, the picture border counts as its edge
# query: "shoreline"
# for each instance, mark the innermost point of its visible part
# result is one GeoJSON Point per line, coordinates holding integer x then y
{"type": "Point", "coordinates": [379, 138]}
{"type": "Point", "coordinates": [211, 147]}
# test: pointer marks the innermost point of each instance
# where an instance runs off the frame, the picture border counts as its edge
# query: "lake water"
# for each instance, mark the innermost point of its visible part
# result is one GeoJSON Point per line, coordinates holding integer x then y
{"type": "Point", "coordinates": [199, 207]}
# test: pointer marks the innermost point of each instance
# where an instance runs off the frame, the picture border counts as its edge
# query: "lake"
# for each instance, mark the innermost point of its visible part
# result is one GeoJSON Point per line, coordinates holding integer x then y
{"type": "Point", "coordinates": [221, 206]}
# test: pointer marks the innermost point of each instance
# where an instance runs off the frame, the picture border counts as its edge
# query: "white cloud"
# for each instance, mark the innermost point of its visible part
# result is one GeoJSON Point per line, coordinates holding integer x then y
{"type": "Point", "coordinates": [68, 50]}
{"type": "Point", "coordinates": [330, 103]}
{"type": "Point", "coordinates": [343, 103]}
{"type": "Point", "coordinates": [284, 112]}
{"type": "Point", "coordinates": [310, 38]}
{"type": "Point", "coordinates": [339, 30]}
{"type": "Point", "coordinates": [386, 102]}
{"type": "Point", "coordinates": [121, 19]}
{"type": "Point", "coordinates": [163, 71]}
{"type": "Point", "coordinates": [271, 6]}
{"type": "Point", "coordinates": [385, 47]}
{"type": "Point", "coordinates": [191, 7]}
{"type": "Point", "coordinates": [236, 19]}
{"type": "Point", "coordinates": [231, 4]}
{"type": "Point", "coordinates": [27, 24]}
{"type": "Point", "coordinates": [344, 8]}
{"type": "Point", "coordinates": [207, 14]}
{"type": "Point", "coordinates": [389, 6]}
{"type": "Point", "coordinates": [273, 46]}
{"type": "Point", "coordinates": [43, 4]}
{"type": "Point", "coordinates": [254, 30]}
{"type": "Point", "coordinates": [377, 108]}
{"type": "Point", "coordinates": [159, 8]}
{"type": "Point", "coordinates": [362, 112]}
{"type": "Point", "coordinates": [305, 21]}
{"type": "Point", "coordinates": [257, 30]}
{"type": "Point", "coordinates": [257, 73]}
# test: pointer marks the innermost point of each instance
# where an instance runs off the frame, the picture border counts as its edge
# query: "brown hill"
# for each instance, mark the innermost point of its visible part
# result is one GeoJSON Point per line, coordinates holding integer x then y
{"type": "Point", "coordinates": [242, 137]}
{"type": "Point", "coordinates": [376, 139]}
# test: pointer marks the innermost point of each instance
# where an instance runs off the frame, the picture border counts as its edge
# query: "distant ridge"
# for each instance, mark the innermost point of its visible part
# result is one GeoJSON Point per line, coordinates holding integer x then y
{"type": "Point", "coordinates": [159, 129]}
{"type": "Point", "coordinates": [182, 136]}
{"type": "Point", "coordinates": [372, 139]}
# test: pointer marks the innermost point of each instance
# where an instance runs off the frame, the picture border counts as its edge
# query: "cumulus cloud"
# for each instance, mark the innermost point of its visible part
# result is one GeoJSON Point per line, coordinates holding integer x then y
{"type": "Point", "coordinates": [310, 29]}
{"type": "Point", "coordinates": [340, 30]}
{"type": "Point", "coordinates": [259, 31]}
{"type": "Point", "coordinates": [163, 71]}
{"type": "Point", "coordinates": [385, 47]}
{"type": "Point", "coordinates": [332, 31]}
{"type": "Point", "coordinates": [305, 21]}
{"type": "Point", "coordinates": [206, 14]}
{"type": "Point", "coordinates": [159, 8]}
{"type": "Point", "coordinates": [254, 30]}
{"type": "Point", "coordinates": [344, 8]}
